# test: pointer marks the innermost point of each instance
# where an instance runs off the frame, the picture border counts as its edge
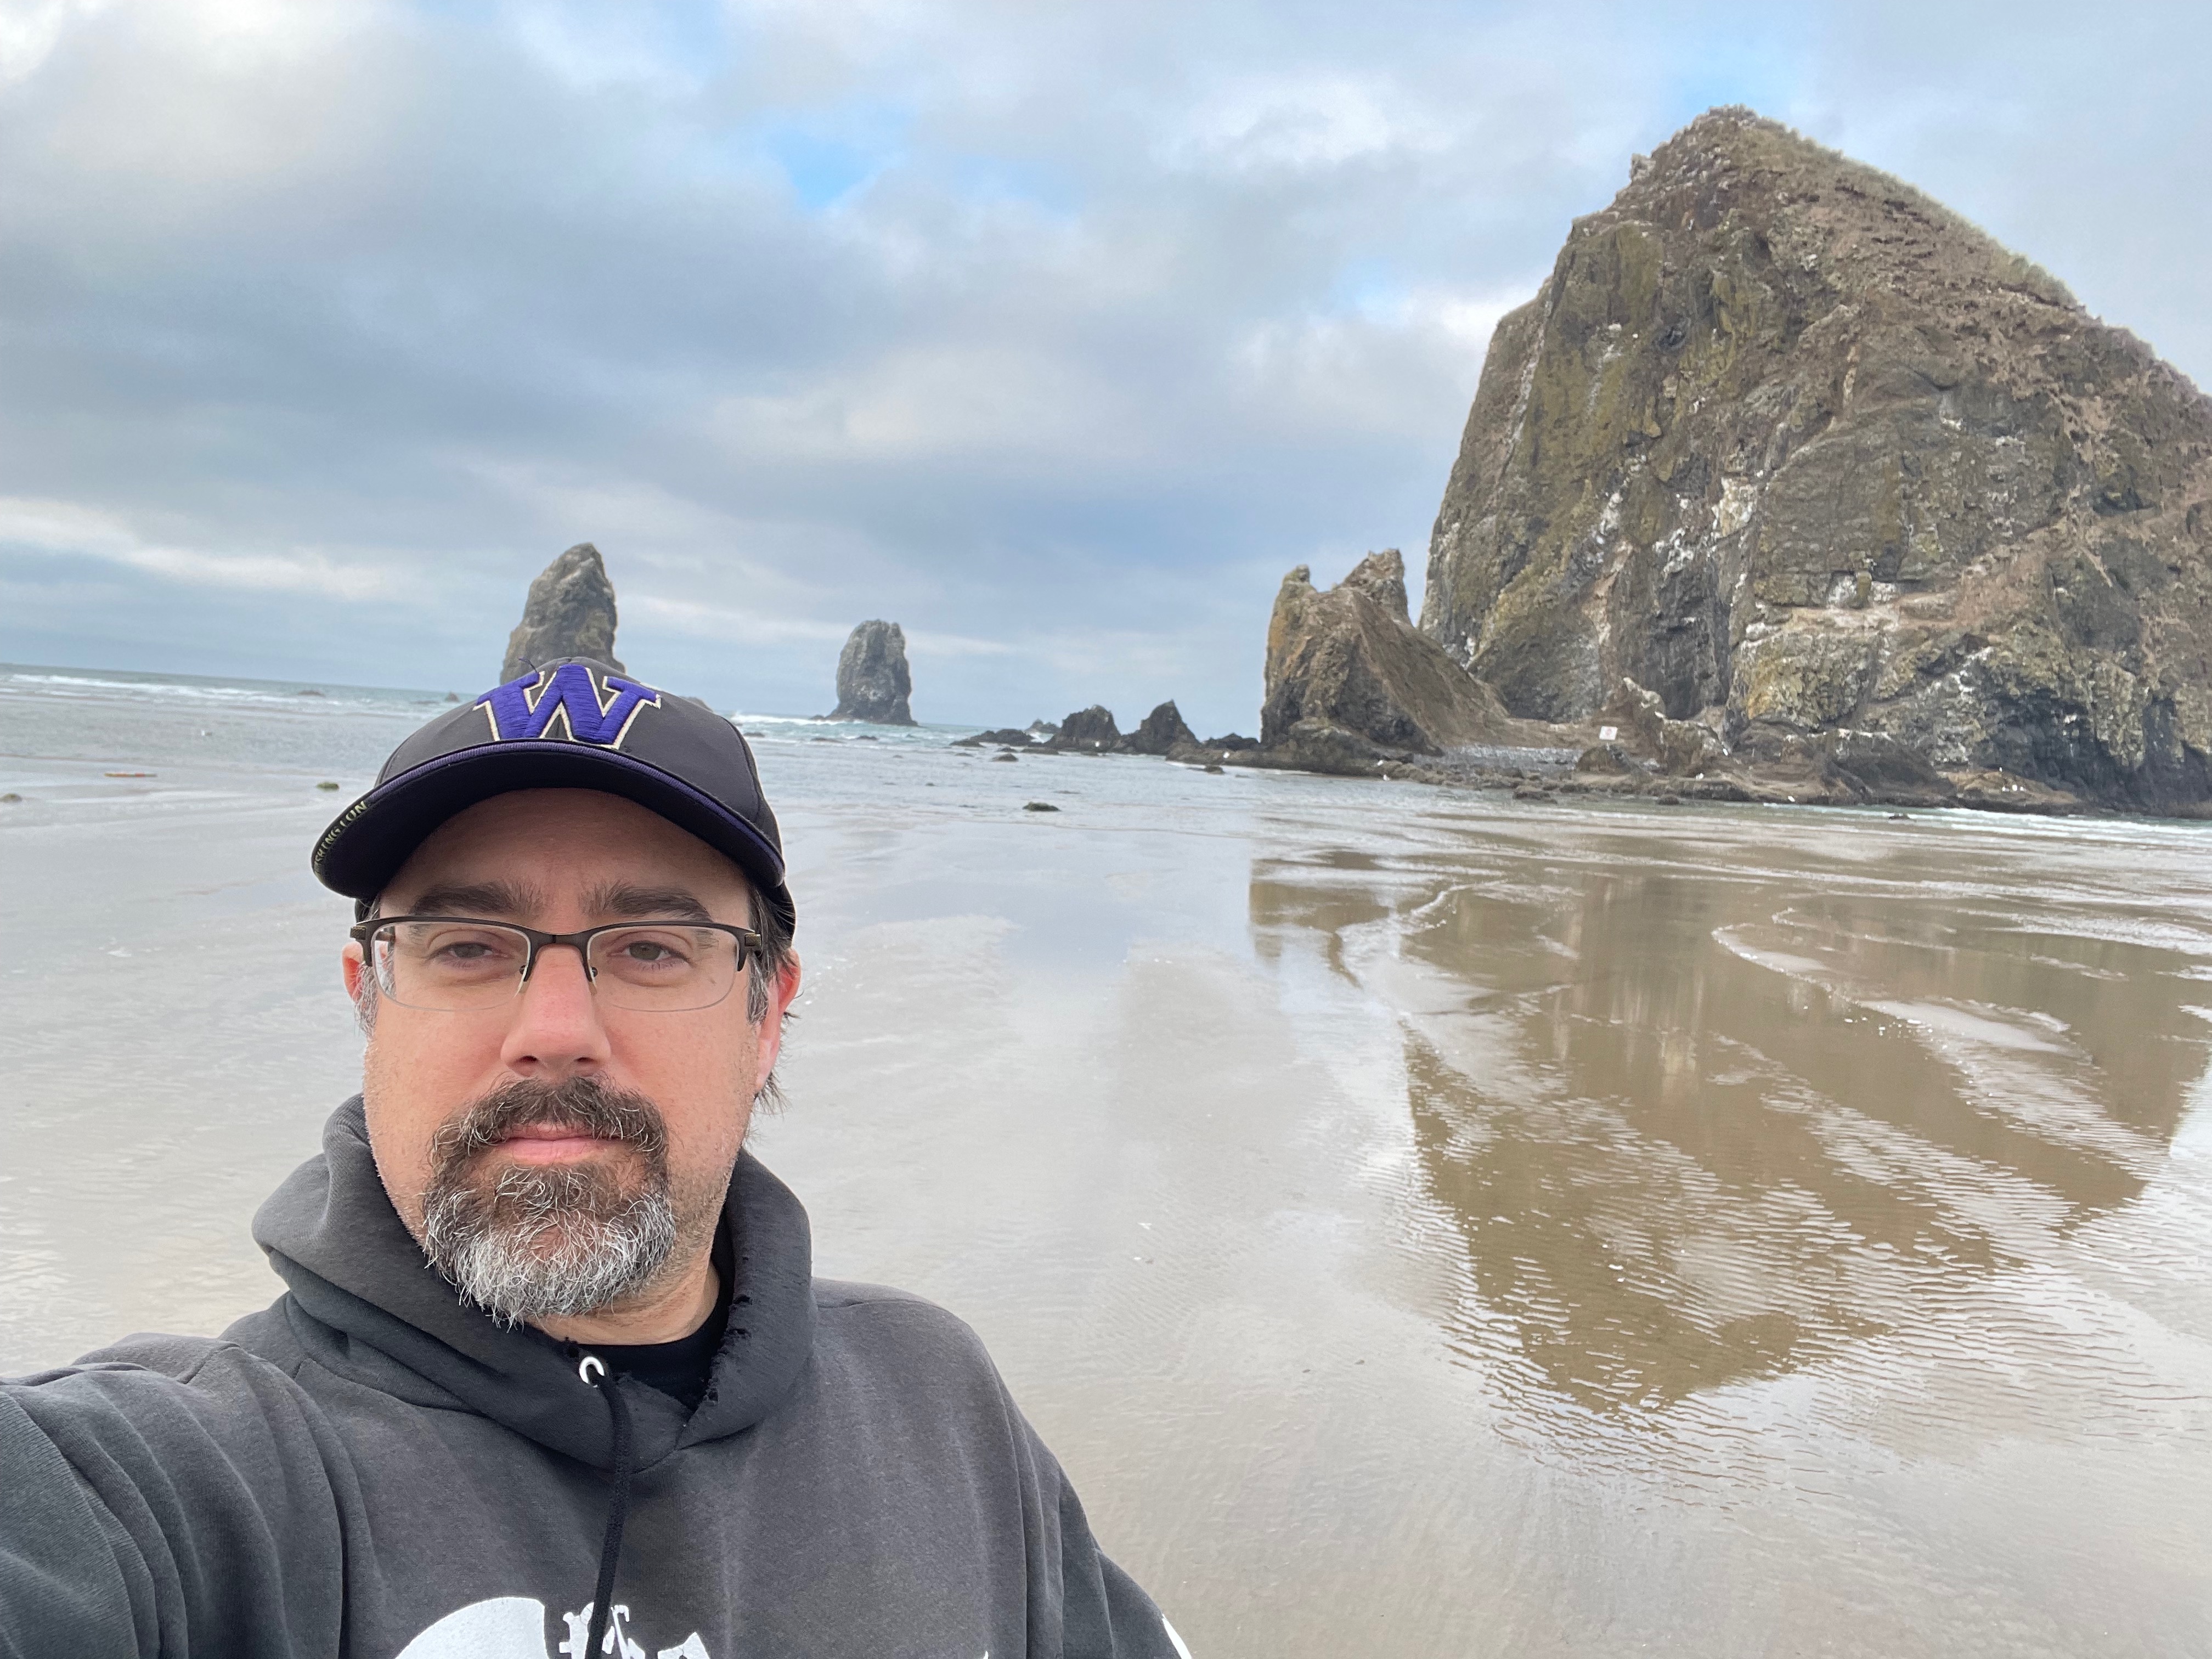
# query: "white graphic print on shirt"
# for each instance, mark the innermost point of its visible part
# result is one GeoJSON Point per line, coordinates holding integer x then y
{"type": "Point", "coordinates": [514, 1627]}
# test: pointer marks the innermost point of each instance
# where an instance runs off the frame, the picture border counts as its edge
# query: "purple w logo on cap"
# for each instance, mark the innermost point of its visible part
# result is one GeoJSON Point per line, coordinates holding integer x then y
{"type": "Point", "coordinates": [530, 706]}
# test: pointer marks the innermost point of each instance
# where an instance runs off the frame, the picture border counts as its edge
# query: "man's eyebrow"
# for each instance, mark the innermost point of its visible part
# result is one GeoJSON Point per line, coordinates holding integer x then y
{"type": "Point", "coordinates": [474, 898]}
{"type": "Point", "coordinates": [632, 902]}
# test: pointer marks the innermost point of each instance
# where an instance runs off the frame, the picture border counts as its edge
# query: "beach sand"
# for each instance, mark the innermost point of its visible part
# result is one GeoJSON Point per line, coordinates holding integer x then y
{"type": "Point", "coordinates": [1424, 1224]}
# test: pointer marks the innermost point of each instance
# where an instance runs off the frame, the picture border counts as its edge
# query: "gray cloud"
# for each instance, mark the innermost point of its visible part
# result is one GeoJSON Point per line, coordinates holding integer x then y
{"type": "Point", "coordinates": [1057, 332]}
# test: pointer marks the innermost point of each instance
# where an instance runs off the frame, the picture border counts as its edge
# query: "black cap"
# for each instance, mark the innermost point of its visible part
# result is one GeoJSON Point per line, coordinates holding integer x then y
{"type": "Point", "coordinates": [573, 724]}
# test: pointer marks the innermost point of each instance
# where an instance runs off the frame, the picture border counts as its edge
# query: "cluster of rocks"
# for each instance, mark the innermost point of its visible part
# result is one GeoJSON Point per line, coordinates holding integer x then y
{"type": "Point", "coordinates": [1790, 484]}
{"type": "Point", "coordinates": [1094, 731]}
{"type": "Point", "coordinates": [1009, 736]}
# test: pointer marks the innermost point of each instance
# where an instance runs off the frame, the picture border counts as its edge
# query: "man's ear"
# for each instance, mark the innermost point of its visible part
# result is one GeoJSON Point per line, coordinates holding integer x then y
{"type": "Point", "coordinates": [361, 986]}
{"type": "Point", "coordinates": [779, 997]}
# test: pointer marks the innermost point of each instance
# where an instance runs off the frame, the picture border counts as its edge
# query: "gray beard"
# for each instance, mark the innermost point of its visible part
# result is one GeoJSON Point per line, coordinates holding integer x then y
{"type": "Point", "coordinates": [531, 1243]}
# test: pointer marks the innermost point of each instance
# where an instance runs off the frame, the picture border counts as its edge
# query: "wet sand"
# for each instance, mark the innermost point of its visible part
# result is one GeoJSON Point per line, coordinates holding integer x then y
{"type": "Point", "coordinates": [1424, 1224]}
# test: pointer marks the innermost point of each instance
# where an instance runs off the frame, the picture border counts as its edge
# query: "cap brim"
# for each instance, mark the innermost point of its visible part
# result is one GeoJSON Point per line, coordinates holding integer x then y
{"type": "Point", "coordinates": [365, 848]}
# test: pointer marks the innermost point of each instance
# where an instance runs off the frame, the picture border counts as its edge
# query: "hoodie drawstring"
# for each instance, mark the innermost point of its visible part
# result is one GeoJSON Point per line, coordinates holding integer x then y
{"type": "Point", "coordinates": [595, 1374]}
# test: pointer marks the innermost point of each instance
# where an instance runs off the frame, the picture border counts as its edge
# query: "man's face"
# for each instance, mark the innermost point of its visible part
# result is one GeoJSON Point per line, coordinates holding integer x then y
{"type": "Point", "coordinates": [553, 1107]}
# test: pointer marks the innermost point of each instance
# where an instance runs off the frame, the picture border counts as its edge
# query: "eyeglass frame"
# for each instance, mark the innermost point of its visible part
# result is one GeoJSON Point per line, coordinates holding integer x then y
{"type": "Point", "coordinates": [750, 945]}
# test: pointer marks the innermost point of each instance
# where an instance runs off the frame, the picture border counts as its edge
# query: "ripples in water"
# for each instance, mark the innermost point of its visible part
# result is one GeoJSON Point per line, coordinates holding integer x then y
{"type": "Point", "coordinates": [1737, 1139]}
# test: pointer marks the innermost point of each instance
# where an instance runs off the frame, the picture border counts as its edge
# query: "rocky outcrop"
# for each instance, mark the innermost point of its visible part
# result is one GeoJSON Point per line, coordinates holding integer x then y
{"type": "Point", "coordinates": [570, 612]}
{"type": "Point", "coordinates": [1804, 453]}
{"type": "Point", "coordinates": [1004, 736]}
{"type": "Point", "coordinates": [873, 683]}
{"type": "Point", "coordinates": [1351, 681]}
{"type": "Point", "coordinates": [1093, 730]}
{"type": "Point", "coordinates": [1682, 749]}
{"type": "Point", "coordinates": [1088, 731]}
{"type": "Point", "coordinates": [1162, 731]}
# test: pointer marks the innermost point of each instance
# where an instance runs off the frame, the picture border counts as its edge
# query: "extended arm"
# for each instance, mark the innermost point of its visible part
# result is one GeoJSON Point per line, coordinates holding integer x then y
{"type": "Point", "coordinates": [171, 1514]}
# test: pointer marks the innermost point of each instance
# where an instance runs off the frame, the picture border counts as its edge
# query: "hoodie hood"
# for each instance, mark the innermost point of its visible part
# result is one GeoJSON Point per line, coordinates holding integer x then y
{"type": "Point", "coordinates": [390, 1320]}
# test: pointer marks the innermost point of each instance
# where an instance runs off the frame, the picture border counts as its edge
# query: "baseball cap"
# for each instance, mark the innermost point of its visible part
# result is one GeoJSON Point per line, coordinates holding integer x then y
{"type": "Point", "coordinates": [573, 723]}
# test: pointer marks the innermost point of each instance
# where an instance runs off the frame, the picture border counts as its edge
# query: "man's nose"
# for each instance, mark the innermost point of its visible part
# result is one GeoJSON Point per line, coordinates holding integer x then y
{"type": "Point", "coordinates": [556, 1032]}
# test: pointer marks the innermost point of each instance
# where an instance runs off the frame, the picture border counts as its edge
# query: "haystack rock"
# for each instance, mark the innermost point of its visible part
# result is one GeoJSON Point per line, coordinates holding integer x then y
{"type": "Point", "coordinates": [570, 612]}
{"type": "Point", "coordinates": [873, 683]}
{"type": "Point", "coordinates": [1801, 452]}
{"type": "Point", "coordinates": [1162, 729]}
{"type": "Point", "coordinates": [1351, 681]}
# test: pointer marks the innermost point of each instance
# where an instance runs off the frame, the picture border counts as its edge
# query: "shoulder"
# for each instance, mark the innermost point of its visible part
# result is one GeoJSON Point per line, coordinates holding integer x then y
{"type": "Point", "coordinates": [848, 1309]}
{"type": "Point", "coordinates": [921, 1349]}
{"type": "Point", "coordinates": [151, 1359]}
{"type": "Point", "coordinates": [164, 1390]}
{"type": "Point", "coordinates": [840, 1293]}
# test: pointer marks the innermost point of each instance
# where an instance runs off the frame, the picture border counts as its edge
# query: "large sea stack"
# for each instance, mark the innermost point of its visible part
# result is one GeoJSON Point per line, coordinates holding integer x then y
{"type": "Point", "coordinates": [1351, 681]}
{"type": "Point", "coordinates": [1795, 449]}
{"type": "Point", "coordinates": [873, 683]}
{"type": "Point", "coordinates": [570, 612]}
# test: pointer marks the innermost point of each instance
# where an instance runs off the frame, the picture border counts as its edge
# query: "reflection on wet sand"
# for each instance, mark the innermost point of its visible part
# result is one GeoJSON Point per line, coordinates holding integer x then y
{"type": "Point", "coordinates": [1696, 1123]}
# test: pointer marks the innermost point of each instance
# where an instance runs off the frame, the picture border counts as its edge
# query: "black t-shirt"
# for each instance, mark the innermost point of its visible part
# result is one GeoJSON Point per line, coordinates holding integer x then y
{"type": "Point", "coordinates": [679, 1369]}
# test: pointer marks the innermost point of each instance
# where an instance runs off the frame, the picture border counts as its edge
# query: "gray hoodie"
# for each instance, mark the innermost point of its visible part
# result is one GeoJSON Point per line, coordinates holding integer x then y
{"type": "Point", "coordinates": [371, 1468]}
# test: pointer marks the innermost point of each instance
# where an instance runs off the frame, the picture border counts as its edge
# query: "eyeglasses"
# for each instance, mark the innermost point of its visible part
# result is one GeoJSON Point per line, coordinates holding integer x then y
{"type": "Point", "coordinates": [455, 965]}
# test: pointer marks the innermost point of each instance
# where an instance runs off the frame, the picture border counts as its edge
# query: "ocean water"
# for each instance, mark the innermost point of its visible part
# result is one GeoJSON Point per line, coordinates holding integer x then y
{"type": "Point", "coordinates": [1424, 1223]}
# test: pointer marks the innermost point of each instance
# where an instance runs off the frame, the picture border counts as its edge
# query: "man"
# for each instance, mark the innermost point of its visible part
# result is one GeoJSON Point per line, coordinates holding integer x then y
{"type": "Point", "coordinates": [552, 1375]}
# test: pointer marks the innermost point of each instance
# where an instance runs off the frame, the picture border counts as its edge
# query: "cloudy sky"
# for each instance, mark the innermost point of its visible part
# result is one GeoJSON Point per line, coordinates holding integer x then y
{"type": "Point", "coordinates": [1057, 332]}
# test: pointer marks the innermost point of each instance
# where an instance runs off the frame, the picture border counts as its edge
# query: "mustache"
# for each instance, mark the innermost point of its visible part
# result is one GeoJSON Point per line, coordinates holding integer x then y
{"type": "Point", "coordinates": [582, 1103]}
{"type": "Point", "coordinates": [523, 1242]}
